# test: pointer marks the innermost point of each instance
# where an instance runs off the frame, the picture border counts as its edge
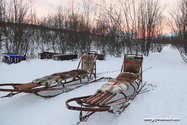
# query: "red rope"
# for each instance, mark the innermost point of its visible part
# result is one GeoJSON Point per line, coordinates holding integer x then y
{"type": "Point", "coordinates": [122, 77]}
{"type": "Point", "coordinates": [127, 76]}
{"type": "Point", "coordinates": [88, 59]}
{"type": "Point", "coordinates": [86, 118]}
{"type": "Point", "coordinates": [133, 62]}
{"type": "Point", "coordinates": [115, 83]}
{"type": "Point", "coordinates": [72, 71]}
{"type": "Point", "coordinates": [55, 75]}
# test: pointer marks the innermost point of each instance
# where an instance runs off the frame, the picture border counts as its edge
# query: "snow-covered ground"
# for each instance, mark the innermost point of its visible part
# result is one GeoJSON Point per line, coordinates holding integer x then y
{"type": "Point", "coordinates": [167, 100]}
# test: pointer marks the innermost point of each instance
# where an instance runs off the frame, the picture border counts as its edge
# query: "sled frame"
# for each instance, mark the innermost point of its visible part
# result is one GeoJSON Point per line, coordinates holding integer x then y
{"type": "Point", "coordinates": [100, 102]}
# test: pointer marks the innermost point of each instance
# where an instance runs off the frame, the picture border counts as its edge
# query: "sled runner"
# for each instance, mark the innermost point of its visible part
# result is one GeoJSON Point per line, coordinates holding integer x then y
{"type": "Point", "coordinates": [55, 84]}
{"type": "Point", "coordinates": [113, 96]}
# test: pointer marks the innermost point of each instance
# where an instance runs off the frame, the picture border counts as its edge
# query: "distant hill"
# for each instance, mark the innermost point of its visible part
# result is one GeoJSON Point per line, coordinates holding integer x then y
{"type": "Point", "coordinates": [169, 34]}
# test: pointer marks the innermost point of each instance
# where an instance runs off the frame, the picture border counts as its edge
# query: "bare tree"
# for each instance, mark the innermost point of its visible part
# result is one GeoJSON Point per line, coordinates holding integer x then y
{"type": "Point", "coordinates": [150, 14]}
{"type": "Point", "coordinates": [18, 13]}
{"type": "Point", "coordinates": [87, 9]}
{"type": "Point", "coordinates": [2, 16]}
{"type": "Point", "coordinates": [179, 16]}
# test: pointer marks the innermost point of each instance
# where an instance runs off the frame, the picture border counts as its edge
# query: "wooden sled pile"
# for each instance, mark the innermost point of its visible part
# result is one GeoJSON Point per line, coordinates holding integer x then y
{"type": "Point", "coordinates": [55, 84]}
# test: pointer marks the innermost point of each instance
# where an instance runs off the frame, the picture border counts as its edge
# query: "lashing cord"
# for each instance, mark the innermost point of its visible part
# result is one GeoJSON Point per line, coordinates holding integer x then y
{"type": "Point", "coordinates": [146, 69]}
{"type": "Point", "coordinates": [85, 118]}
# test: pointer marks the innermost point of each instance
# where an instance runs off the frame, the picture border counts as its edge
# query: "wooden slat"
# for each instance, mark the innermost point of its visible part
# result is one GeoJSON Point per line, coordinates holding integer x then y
{"type": "Point", "coordinates": [27, 86]}
{"type": "Point", "coordinates": [99, 101]}
{"type": "Point", "coordinates": [109, 98]}
{"type": "Point", "coordinates": [90, 97]}
{"type": "Point", "coordinates": [103, 95]}
{"type": "Point", "coordinates": [98, 95]}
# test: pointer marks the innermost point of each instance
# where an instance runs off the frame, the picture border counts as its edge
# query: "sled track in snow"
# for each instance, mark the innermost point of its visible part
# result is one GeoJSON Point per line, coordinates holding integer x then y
{"type": "Point", "coordinates": [184, 57]}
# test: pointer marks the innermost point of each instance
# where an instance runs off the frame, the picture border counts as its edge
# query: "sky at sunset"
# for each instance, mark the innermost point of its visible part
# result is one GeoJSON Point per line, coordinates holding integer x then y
{"type": "Point", "coordinates": [44, 6]}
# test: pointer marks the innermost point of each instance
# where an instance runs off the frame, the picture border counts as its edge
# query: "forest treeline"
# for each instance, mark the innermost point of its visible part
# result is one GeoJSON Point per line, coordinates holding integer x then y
{"type": "Point", "coordinates": [109, 27]}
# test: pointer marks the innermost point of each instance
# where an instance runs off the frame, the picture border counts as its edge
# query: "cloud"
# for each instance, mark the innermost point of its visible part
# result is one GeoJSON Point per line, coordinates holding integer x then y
{"type": "Point", "coordinates": [44, 6]}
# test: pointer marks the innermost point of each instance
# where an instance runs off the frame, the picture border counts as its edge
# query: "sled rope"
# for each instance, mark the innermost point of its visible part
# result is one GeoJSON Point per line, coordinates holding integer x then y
{"type": "Point", "coordinates": [108, 72]}
{"type": "Point", "coordinates": [132, 62]}
{"type": "Point", "coordinates": [140, 91]}
{"type": "Point", "coordinates": [85, 118]}
{"type": "Point", "coordinates": [146, 69]}
{"type": "Point", "coordinates": [11, 94]}
{"type": "Point", "coordinates": [115, 83]}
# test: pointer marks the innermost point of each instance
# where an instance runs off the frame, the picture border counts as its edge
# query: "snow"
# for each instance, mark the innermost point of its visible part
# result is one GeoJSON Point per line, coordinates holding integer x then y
{"type": "Point", "coordinates": [166, 100]}
{"type": "Point", "coordinates": [170, 34]}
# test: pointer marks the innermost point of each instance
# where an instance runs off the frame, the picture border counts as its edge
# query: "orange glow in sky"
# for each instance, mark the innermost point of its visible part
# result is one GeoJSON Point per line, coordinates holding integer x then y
{"type": "Point", "coordinates": [44, 7]}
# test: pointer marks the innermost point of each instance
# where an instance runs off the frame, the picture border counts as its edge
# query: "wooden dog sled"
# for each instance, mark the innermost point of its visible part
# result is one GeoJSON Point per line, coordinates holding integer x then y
{"type": "Point", "coordinates": [113, 96]}
{"type": "Point", "coordinates": [55, 84]}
